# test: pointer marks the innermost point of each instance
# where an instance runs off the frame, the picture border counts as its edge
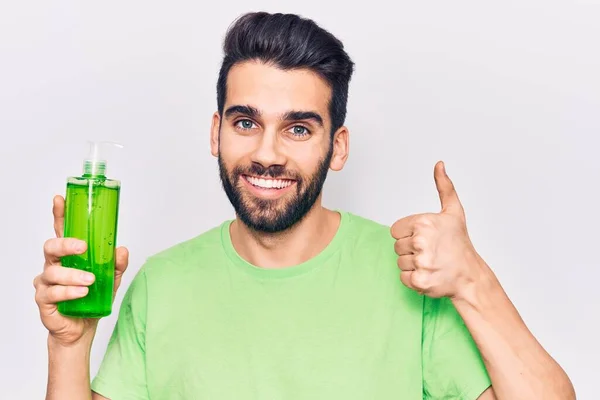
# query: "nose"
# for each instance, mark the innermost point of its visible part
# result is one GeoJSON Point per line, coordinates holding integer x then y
{"type": "Point", "coordinates": [268, 151]}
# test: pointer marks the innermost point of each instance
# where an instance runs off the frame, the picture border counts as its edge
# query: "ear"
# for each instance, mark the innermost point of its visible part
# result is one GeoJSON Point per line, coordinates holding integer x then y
{"type": "Point", "coordinates": [341, 148]}
{"type": "Point", "coordinates": [214, 134]}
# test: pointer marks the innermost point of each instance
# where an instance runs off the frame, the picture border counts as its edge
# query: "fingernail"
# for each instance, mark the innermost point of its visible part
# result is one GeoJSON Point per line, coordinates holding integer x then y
{"type": "Point", "coordinates": [82, 290]}
{"type": "Point", "coordinates": [79, 247]}
{"type": "Point", "coordinates": [87, 277]}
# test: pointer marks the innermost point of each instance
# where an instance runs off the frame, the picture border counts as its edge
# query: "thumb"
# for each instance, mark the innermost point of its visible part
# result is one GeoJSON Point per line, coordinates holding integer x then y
{"type": "Point", "coordinates": [448, 196]}
{"type": "Point", "coordinates": [58, 210]}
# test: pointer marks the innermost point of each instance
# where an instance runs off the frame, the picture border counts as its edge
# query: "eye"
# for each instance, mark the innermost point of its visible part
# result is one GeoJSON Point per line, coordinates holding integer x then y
{"type": "Point", "coordinates": [299, 130]}
{"type": "Point", "coordinates": [244, 124]}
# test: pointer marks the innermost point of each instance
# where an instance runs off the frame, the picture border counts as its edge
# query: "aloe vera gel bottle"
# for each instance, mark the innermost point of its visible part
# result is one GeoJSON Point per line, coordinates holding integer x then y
{"type": "Point", "coordinates": [91, 215]}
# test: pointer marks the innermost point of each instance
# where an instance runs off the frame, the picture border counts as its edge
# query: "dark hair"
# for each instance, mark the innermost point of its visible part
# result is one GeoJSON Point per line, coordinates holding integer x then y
{"type": "Point", "coordinates": [289, 41]}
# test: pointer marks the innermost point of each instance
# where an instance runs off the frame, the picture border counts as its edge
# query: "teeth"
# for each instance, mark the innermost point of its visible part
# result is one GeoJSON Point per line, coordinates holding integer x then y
{"type": "Point", "coordinates": [269, 183]}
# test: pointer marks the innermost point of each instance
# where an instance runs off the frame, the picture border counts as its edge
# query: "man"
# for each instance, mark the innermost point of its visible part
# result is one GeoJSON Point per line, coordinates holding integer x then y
{"type": "Point", "coordinates": [291, 300]}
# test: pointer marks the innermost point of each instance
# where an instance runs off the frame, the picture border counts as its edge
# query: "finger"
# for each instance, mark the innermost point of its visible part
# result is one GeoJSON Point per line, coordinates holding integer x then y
{"type": "Point", "coordinates": [122, 259]}
{"type": "Point", "coordinates": [406, 278]}
{"type": "Point", "coordinates": [403, 228]}
{"type": "Point", "coordinates": [404, 246]}
{"type": "Point", "coordinates": [406, 263]}
{"type": "Point", "coordinates": [58, 210]}
{"type": "Point", "coordinates": [448, 197]}
{"type": "Point", "coordinates": [57, 275]}
{"type": "Point", "coordinates": [50, 295]}
{"type": "Point", "coordinates": [56, 248]}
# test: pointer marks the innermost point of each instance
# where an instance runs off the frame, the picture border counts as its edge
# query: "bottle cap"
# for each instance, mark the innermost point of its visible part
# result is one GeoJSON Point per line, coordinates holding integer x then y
{"type": "Point", "coordinates": [95, 163]}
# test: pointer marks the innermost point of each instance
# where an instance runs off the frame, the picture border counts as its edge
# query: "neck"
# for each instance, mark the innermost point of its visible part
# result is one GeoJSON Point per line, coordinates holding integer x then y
{"type": "Point", "coordinates": [298, 244]}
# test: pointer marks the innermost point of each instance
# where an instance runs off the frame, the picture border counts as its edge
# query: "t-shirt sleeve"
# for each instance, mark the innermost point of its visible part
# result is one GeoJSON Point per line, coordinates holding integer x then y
{"type": "Point", "coordinates": [452, 365]}
{"type": "Point", "coordinates": [122, 373]}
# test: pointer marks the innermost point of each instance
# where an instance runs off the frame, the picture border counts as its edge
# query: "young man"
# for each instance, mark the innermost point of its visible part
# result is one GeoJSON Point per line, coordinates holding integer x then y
{"type": "Point", "coordinates": [291, 300]}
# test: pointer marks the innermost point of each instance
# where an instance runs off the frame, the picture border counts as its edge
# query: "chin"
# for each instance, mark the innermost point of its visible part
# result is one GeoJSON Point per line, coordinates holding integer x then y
{"type": "Point", "coordinates": [275, 219]}
{"type": "Point", "coordinates": [265, 222]}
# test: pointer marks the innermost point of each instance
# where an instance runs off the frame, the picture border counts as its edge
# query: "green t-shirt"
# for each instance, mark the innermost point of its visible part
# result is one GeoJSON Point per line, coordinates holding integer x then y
{"type": "Point", "coordinates": [199, 322]}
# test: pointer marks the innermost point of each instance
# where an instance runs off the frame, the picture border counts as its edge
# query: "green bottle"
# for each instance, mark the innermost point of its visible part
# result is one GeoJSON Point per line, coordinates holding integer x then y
{"type": "Point", "coordinates": [91, 215]}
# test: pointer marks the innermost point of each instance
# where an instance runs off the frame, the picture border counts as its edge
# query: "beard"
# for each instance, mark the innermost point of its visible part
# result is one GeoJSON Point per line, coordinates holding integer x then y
{"type": "Point", "coordinates": [277, 215]}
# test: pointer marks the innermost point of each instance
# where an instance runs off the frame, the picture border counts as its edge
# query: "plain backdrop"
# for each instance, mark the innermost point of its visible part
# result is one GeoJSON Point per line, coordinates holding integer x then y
{"type": "Point", "coordinates": [506, 93]}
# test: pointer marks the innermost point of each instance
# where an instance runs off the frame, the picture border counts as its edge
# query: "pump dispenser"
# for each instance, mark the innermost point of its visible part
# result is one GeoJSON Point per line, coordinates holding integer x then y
{"type": "Point", "coordinates": [94, 165]}
{"type": "Point", "coordinates": [91, 215]}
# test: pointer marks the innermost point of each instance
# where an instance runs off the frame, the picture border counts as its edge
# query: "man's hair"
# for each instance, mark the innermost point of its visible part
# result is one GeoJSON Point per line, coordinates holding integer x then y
{"type": "Point", "coordinates": [288, 42]}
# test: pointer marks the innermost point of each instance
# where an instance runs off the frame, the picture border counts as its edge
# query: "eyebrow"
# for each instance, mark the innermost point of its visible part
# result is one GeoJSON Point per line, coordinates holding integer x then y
{"type": "Point", "coordinates": [303, 115]}
{"type": "Point", "coordinates": [253, 112]}
{"type": "Point", "coordinates": [244, 110]}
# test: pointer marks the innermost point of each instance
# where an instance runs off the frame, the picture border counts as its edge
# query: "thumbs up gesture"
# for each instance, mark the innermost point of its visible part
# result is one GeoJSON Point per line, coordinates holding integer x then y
{"type": "Point", "coordinates": [435, 254]}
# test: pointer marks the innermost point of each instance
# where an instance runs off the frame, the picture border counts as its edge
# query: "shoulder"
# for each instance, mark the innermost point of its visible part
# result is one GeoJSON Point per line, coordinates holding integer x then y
{"type": "Point", "coordinates": [366, 228]}
{"type": "Point", "coordinates": [187, 254]}
{"type": "Point", "coordinates": [369, 242]}
{"type": "Point", "coordinates": [370, 254]}
{"type": "Point", "coordinates": [367, 233]}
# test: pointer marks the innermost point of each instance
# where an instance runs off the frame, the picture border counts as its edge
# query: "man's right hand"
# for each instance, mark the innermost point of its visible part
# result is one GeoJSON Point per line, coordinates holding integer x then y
{"type": "Point", "coordinates": [57, 283]}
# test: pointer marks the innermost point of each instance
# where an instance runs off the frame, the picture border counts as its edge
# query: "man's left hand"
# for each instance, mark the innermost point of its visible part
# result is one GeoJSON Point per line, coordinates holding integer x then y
{"type": "Point", "coordinates": [434, 250]}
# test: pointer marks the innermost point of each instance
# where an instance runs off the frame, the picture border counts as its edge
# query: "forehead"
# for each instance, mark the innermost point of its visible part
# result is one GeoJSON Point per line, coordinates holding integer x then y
{"type": "Point", "coordinates": [275, 91]}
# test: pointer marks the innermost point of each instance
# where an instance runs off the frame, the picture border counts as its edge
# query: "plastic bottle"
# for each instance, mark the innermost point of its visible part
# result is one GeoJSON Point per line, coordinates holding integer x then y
{"type": "Point", "coordinates": [91, 215]}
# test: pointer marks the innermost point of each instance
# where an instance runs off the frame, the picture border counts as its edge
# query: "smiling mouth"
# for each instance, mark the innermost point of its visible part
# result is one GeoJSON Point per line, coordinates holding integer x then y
{"type": "Point", "coordinates": [267, 183]}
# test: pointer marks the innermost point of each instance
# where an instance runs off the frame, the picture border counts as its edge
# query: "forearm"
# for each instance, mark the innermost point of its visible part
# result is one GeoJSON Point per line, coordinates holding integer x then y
{"type": "Point", "coordinates": [518, 365]}
{"type": "Point", "coordinates": [69, 370]}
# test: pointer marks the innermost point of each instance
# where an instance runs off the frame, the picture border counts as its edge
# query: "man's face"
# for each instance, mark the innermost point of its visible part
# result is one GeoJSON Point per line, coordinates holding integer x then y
{"type": "Point", "coordinates": [273, 144]}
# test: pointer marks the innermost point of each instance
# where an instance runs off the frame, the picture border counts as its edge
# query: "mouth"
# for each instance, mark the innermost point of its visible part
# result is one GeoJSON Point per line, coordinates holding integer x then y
{"type": "Point", "coordinates": [268, 187]}
{"type": "Point", "coordinates": [268, 183]}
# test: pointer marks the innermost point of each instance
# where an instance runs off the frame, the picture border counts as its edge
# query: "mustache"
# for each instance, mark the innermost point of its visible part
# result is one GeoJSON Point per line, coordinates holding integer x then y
{"type": "Point", "coordinates": [272, 171]}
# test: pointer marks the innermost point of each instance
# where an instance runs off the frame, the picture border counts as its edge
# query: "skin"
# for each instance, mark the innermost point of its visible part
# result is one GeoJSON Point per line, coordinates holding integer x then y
{"type": "Point", "coordinates": [270, 141]}
{"type": "Point", "coordinates": [69, 339]}
{"type": "Point", "coordinates": [435, 254]}
{"type": "Point", "coordinates": [437, 258]}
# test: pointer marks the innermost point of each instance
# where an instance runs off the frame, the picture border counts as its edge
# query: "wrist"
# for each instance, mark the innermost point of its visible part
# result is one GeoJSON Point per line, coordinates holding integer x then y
{"type": "Point", "coordinates": [84, 343]}
{"type": "Point", "coordinates": [479, 286]}
{"type": "Point", "coordinates": [69, 368]}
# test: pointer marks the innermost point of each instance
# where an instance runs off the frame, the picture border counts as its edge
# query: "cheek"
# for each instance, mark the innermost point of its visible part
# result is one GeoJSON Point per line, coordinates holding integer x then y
{"type": "Point", "coordinates": [308, 161]}
{"type": "Point", "coordinates": [234, 149]}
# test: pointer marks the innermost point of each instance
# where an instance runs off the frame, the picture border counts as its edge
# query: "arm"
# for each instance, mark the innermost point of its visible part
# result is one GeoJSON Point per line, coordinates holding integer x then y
{"type": "Point", "coordinates": [69, 371]}
{"type": "Point", "coordinates": [489, 394]}
{"type": "Point", "coordinates": [438, 259]}
{"type": "Point", "coordinates": [122, 371]}
{"type": "Point", "coordinates": [69, 339]}
{"type": "Point", "coordinates": [518, 365]}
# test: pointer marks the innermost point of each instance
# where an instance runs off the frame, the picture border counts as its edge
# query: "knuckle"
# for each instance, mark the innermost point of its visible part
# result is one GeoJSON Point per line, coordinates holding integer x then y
{"type": "Point", "coordinates": [52, 294]}
{"type": "Point", "coordinates": [422, 261]}
{"type": "Point", "coordinates": [421, 281]}
{"type": "Point", "coordinates": [419, 242]}
{"type": "Point", "coordinates": [38, 297]}
{"type": "Point", "coordinates": [49, 246]}
{"type": "Point", "coordinates": [50, 274]}
{"type": "Point", "coordinates": [418, 260]}
{"type": "Point", "coordinates": [424, 221]}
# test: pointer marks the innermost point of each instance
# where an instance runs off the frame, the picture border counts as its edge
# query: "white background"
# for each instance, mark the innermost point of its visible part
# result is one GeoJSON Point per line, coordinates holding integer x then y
{"type": "Point", "coordinates": [508, 94]}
